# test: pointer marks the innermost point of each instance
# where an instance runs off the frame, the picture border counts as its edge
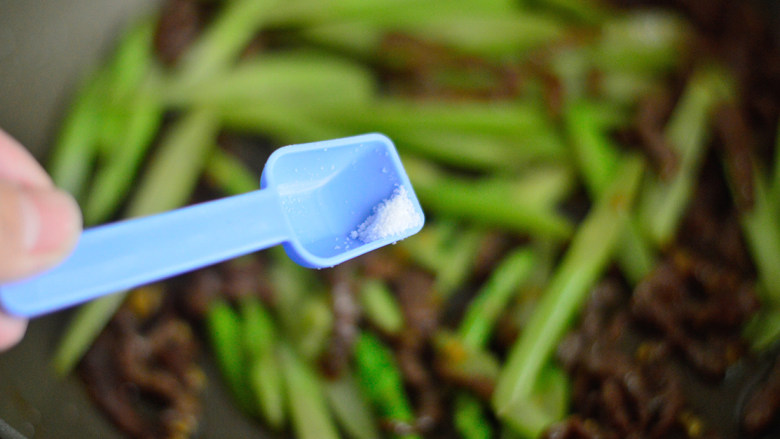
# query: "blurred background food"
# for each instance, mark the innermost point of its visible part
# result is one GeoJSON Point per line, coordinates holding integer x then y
{"type": "Point", "coordinates": [600, 180]}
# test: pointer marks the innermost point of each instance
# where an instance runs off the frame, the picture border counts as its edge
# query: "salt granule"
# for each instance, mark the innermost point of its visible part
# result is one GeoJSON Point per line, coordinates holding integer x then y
{"type": "Point", "coordinates": [391, 217]}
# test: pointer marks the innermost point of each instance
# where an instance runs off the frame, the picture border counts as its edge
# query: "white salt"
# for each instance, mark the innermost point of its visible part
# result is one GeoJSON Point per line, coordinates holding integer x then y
{"type": "Point", "coordinates": [391, 217]}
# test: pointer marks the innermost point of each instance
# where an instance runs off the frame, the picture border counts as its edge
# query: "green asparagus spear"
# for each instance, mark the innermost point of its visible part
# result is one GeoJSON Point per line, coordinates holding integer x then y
{"type": "Point", "coordinates": [513, 205]}
{"type": "Point", "coordinates": [221, 44]}
{"type": "Point", "coordinates": [224, 328]}
{"type": "Point", "coordinates": [585, 259]}
{"type": "Point", "coordinates": [457, 259]}
{"type": "Point", "coordinates": [126, 72]}
{"type": "Point", "coordinates": [295, 79]}
{"type": "Point", "coordinates": [85, 326]}
{"type": "Point", "coordinates": [380, 307]}
{"type": "Point", "coordinates": [547, 403]}
{"type": "Point", "coordinates": [381, 380]}
{"type": "Point", "coordinates": [264, 374]}
{"type": "Point", "coordinates": [311, 418]}
{"type": "Point", "coordinates": [77, 145]}
{"type": "Point", "coordinates": [598, 159]}
{"type": "Point", "coordinates": [663, 202]}
{"type": "Point", "coordinates": [114, 177]}
{"type": "Point", "coordinates": [763, 330]}
{"type": "Point", "coordinates": [761, 226]}
{"type": "Point", "coordinates": [350, 407]}
{"type": "Point", "coordinates": [229, 174]}
{"type": "Point", "coordinates": [470, 418]}
{"type": "Point", "coordinates": [493, 297]}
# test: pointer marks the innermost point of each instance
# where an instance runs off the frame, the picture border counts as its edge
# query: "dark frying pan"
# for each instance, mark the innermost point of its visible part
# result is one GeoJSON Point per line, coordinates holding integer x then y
{"type": "Point", "coordinates": [45, 47]}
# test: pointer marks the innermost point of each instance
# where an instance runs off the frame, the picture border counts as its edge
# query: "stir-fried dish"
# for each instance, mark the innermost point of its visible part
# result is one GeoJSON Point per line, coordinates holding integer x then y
{"type": "Point", "coordinates": [602, 252]}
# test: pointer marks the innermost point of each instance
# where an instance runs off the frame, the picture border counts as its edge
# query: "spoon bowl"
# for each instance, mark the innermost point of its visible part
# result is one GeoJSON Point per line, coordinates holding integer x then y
{"type": "Point", "coordinates": [327, 189]}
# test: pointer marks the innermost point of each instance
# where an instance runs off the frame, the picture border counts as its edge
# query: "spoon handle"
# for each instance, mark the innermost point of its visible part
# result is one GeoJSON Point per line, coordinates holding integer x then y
{"type": "Point", "coordinates": [126, 254]}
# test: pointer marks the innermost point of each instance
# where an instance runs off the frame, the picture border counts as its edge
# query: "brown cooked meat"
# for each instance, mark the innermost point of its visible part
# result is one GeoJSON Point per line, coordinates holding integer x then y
{"type": "Point", "coordinates": [144, 372]}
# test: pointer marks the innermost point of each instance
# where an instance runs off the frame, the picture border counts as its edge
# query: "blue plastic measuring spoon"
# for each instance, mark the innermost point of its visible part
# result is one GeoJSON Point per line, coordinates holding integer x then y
{"type": "Point", "coordinates": [313, 197]}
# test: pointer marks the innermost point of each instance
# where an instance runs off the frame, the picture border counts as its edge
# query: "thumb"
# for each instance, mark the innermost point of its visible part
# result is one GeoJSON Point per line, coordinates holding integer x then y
{"type": "Point", "coordinates": [38, 228]}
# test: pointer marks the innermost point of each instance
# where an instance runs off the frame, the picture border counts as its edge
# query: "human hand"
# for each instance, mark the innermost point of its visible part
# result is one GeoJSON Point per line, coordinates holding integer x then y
{"type": "Point", "coordinates": [39, 224]}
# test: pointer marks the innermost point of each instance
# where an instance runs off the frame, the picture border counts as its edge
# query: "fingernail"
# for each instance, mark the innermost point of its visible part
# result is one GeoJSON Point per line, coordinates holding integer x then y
{"type": "Point", "coordinates": [51, 220]}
